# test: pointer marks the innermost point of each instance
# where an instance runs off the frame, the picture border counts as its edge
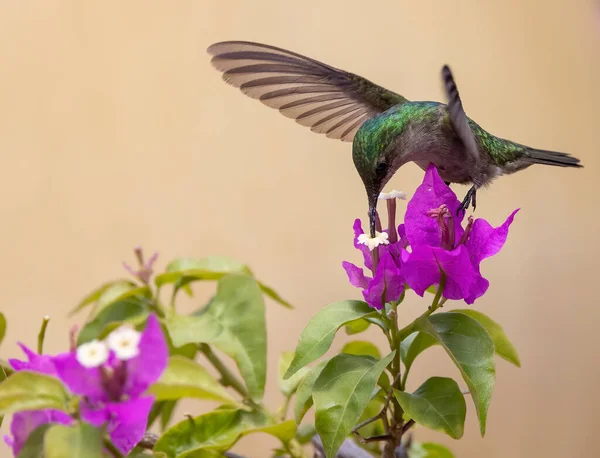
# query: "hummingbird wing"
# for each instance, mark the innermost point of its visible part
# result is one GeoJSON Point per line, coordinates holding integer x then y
{"type": "Point", "coordinates": [458, 117]}
{"type": "Point", "coordinates": [328, 100]}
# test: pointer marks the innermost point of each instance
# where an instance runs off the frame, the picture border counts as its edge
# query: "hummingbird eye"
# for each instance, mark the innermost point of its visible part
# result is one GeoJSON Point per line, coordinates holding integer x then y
{"type": "Point", "coordinates": [381, 168]}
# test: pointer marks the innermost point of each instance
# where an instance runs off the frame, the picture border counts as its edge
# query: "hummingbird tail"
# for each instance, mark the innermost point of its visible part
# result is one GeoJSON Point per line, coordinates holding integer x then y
{"type": "Point", "coordinates": [539, 156]}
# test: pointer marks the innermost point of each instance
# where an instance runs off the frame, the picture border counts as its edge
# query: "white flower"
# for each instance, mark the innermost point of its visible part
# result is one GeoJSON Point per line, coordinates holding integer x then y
{"type": "Point", "coordinates": [125, 342]}
{"type": "Point", "coordinates": [393, 195]}
{"type": "Point", "coordinates": [381, 238]}
{"type": "Point", "coordinates": [92, 354]}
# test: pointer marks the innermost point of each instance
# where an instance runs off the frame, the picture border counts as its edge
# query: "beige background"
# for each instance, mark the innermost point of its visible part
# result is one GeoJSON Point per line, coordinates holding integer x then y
{"type": "Point", "coordinates": [115, 130]}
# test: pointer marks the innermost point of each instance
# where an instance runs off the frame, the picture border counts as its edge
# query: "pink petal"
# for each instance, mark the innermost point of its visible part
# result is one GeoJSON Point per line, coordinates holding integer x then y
{"type": "Point", "coordinates": [356, 275]}
{"type": "Point", "coordinates": [36, 363]}
{"type": "Point", "coordinates": [432, 193]}
{"type": "Point", "coordinates": [95, 415]}
{"type": "Point", "coordinates": [128, 422]}
{"type": "Point", "coordinates": [422, 270]}
{"type": "Point", "coordinates": [363, 248]}
{"type": "Point", "coordinates": [147, 367]}
{"type": "Point", "coordinates": [485, 241]}
{"type": "Point", "coordinates": [387, 285]}
{"type": "Point", "coordinates": [79, 379]}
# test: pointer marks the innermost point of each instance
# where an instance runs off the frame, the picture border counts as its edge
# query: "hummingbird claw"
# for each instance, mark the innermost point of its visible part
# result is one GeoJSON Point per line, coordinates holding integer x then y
{"type": "Point", "coordinates": [469, 200]}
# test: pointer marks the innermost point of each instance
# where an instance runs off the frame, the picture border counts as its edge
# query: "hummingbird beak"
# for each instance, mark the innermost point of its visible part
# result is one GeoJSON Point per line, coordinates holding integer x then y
{"type": "Point", "coordinates": [372, 218]}
{"type": "Point", "coordinates": [372, 214]}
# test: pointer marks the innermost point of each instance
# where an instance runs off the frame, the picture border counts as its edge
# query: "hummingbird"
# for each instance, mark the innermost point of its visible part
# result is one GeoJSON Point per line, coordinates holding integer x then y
{"type": "Point", "coordinates": [386, 129]}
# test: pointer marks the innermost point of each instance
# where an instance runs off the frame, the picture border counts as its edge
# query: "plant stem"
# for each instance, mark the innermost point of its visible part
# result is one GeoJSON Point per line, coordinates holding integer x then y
{"type": "Point", "coordinates": [228, 379]}
{"type": "Point", "coordinates": [285, 407]}
{"type": "Point", "coordinates": [112, 448]}
{"type": "Point", "coordinates": [438, 301]}
{"type": "Point", "coordinates": [227, 376]}
{"type": "Point", "coordinates": [42, 335]}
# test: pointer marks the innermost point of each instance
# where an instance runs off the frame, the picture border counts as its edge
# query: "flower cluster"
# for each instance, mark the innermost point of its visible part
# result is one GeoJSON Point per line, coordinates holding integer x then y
{"type": "Point", "coordinates": [429, 248]}
{"type": "Point", "coordinates": [111, 376]}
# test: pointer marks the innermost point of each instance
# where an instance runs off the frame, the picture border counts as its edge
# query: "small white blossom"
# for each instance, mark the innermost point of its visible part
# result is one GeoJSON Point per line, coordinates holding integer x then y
{"type": "Point", "coordinates": [92, 354]}
{"type": "Point", "coordinates": [125, 342]}
{"type": "Point", "coordinates": [381, 238]}
{"type": "Point", "coordinates": [393, 195]}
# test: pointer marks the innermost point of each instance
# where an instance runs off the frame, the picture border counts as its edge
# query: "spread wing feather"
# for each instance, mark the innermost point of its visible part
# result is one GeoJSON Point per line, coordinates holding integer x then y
{"type": "Point", "coordinates": [328, 100]}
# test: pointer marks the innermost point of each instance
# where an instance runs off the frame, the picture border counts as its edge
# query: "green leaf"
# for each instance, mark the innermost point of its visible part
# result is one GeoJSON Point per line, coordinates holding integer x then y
{"type": "Point", "coordinates": [318, 335]}
{"type": "Point", "coordinates": [34, 445]}
{"type": "Point", "coordinates": [73, 441]}
{"type": "Point", "coordinates": [132, 310]}
{"type": "Point", "coordinates": [216, 430]}
{"type": "Point", "coordinates": [184, 378]}
{"type": "Point", "coordinates": [429, 450]}
{"type": "Point", "coordinates": [357, 326]}
{"type": "Point", "coordinates": [95, 295]}
{"type": "Point", "coordinates": [361, 347]}
{"type": "Point", "coordinates": [119, 293]}
{"type": "Point", "coordinates": [139, 452]}
{"type": "Point", "coordinates": [304, 399]}
{"type": "Point", "coordinates": [166, 414]}
{"type": "Point", "coordinates": [26, 390]}
{"type": "Point", "coordinates": [270, 292]}
{"type": "Point", "coordinates": [375, 428]}
{"type": "Point", "coordinates": [289, 386]}
{"type": "Point", "coordinates": [413, 346]}
{"type": "Point", "coordinates": [235, 323]}
{"type": "Point", "coordinates": [284, 431]}
{"type": "Point", "coordinates": [470, 347]}
{"type": "Point", "coordinates": [183, 271]}
{"type": "Point", "coordinates": [503, 347]}
{"type": "Point", "coordinates": [2, 327]}
{"type": "Point", "coordinates": [341, 394]}
{"type": "Point", "coordinates": [305, 433]}
{"type": "Point", "coordinates": [437, 404]}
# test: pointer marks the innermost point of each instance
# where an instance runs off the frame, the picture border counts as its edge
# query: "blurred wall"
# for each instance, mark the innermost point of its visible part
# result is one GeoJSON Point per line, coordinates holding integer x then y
{"type": "Point", "coordinates": [116, 131]}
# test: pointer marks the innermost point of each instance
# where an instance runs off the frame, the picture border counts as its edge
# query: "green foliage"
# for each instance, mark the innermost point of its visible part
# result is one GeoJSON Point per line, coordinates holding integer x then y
{"type": "Point", "coordinates": [26, 390]}
{"type": "Point", "coordinates": [502, 345]}
{"type": "Point", "coordinates": [289, 386]}
{"type": "Point", "coordinates": [130, 307]}
{"type": "Point", "coordinates": [234, 322]}
{"type": "Point", "coordinates": [341, 394]}
{"type": "Point", "coordinates": [374, 428]}
{"type": "Point", "coordinates": [215, 430]}
{"type": "Point", "coordinates": [111, 288]}
{"type": "Point", "coordinates": [2, 327]}
{"type": "Point", "coordinates": [183, 271]}
{"type": "Point", "coordinates": [429, 450]}
{"type": "Point", "coordinates": [470, 347]}
{"type": "Point", "coordinates": [361, 347]}
{"type": "Point", "coordinates": [59, 441]}
{"type": "Point", "coordinates": [34, 445]}
{"type": "Point", "coordinates": [304, 400]}
{"type": "Point", "coordinates": [184, 378]}
{"type": "Point", "coordinates": [357, 326]}
{"type": "Point", "coordinates": [305, 433]}
{"type": "Point", "coordinates": [318, 335]}
{"type": "Point", "coordinates": [346, 389]}
{"type": "Point", "coordinates": [73, 442]}
{"type": "Point", "coordinates": [437, 404]}
{"type": "Point", "coordinates": [413, 346]}
{"type": "Point", "coordinates": [219, 430]}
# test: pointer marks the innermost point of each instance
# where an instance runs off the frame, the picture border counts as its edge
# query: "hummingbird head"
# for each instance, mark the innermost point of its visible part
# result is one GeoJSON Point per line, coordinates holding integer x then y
{"type": "Point", "coordinates": [375, 167]}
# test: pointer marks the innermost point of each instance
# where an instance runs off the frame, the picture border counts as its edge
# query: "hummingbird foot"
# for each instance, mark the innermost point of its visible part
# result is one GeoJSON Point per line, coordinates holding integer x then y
{"type": "Point", "coordinates": [469, 200]}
